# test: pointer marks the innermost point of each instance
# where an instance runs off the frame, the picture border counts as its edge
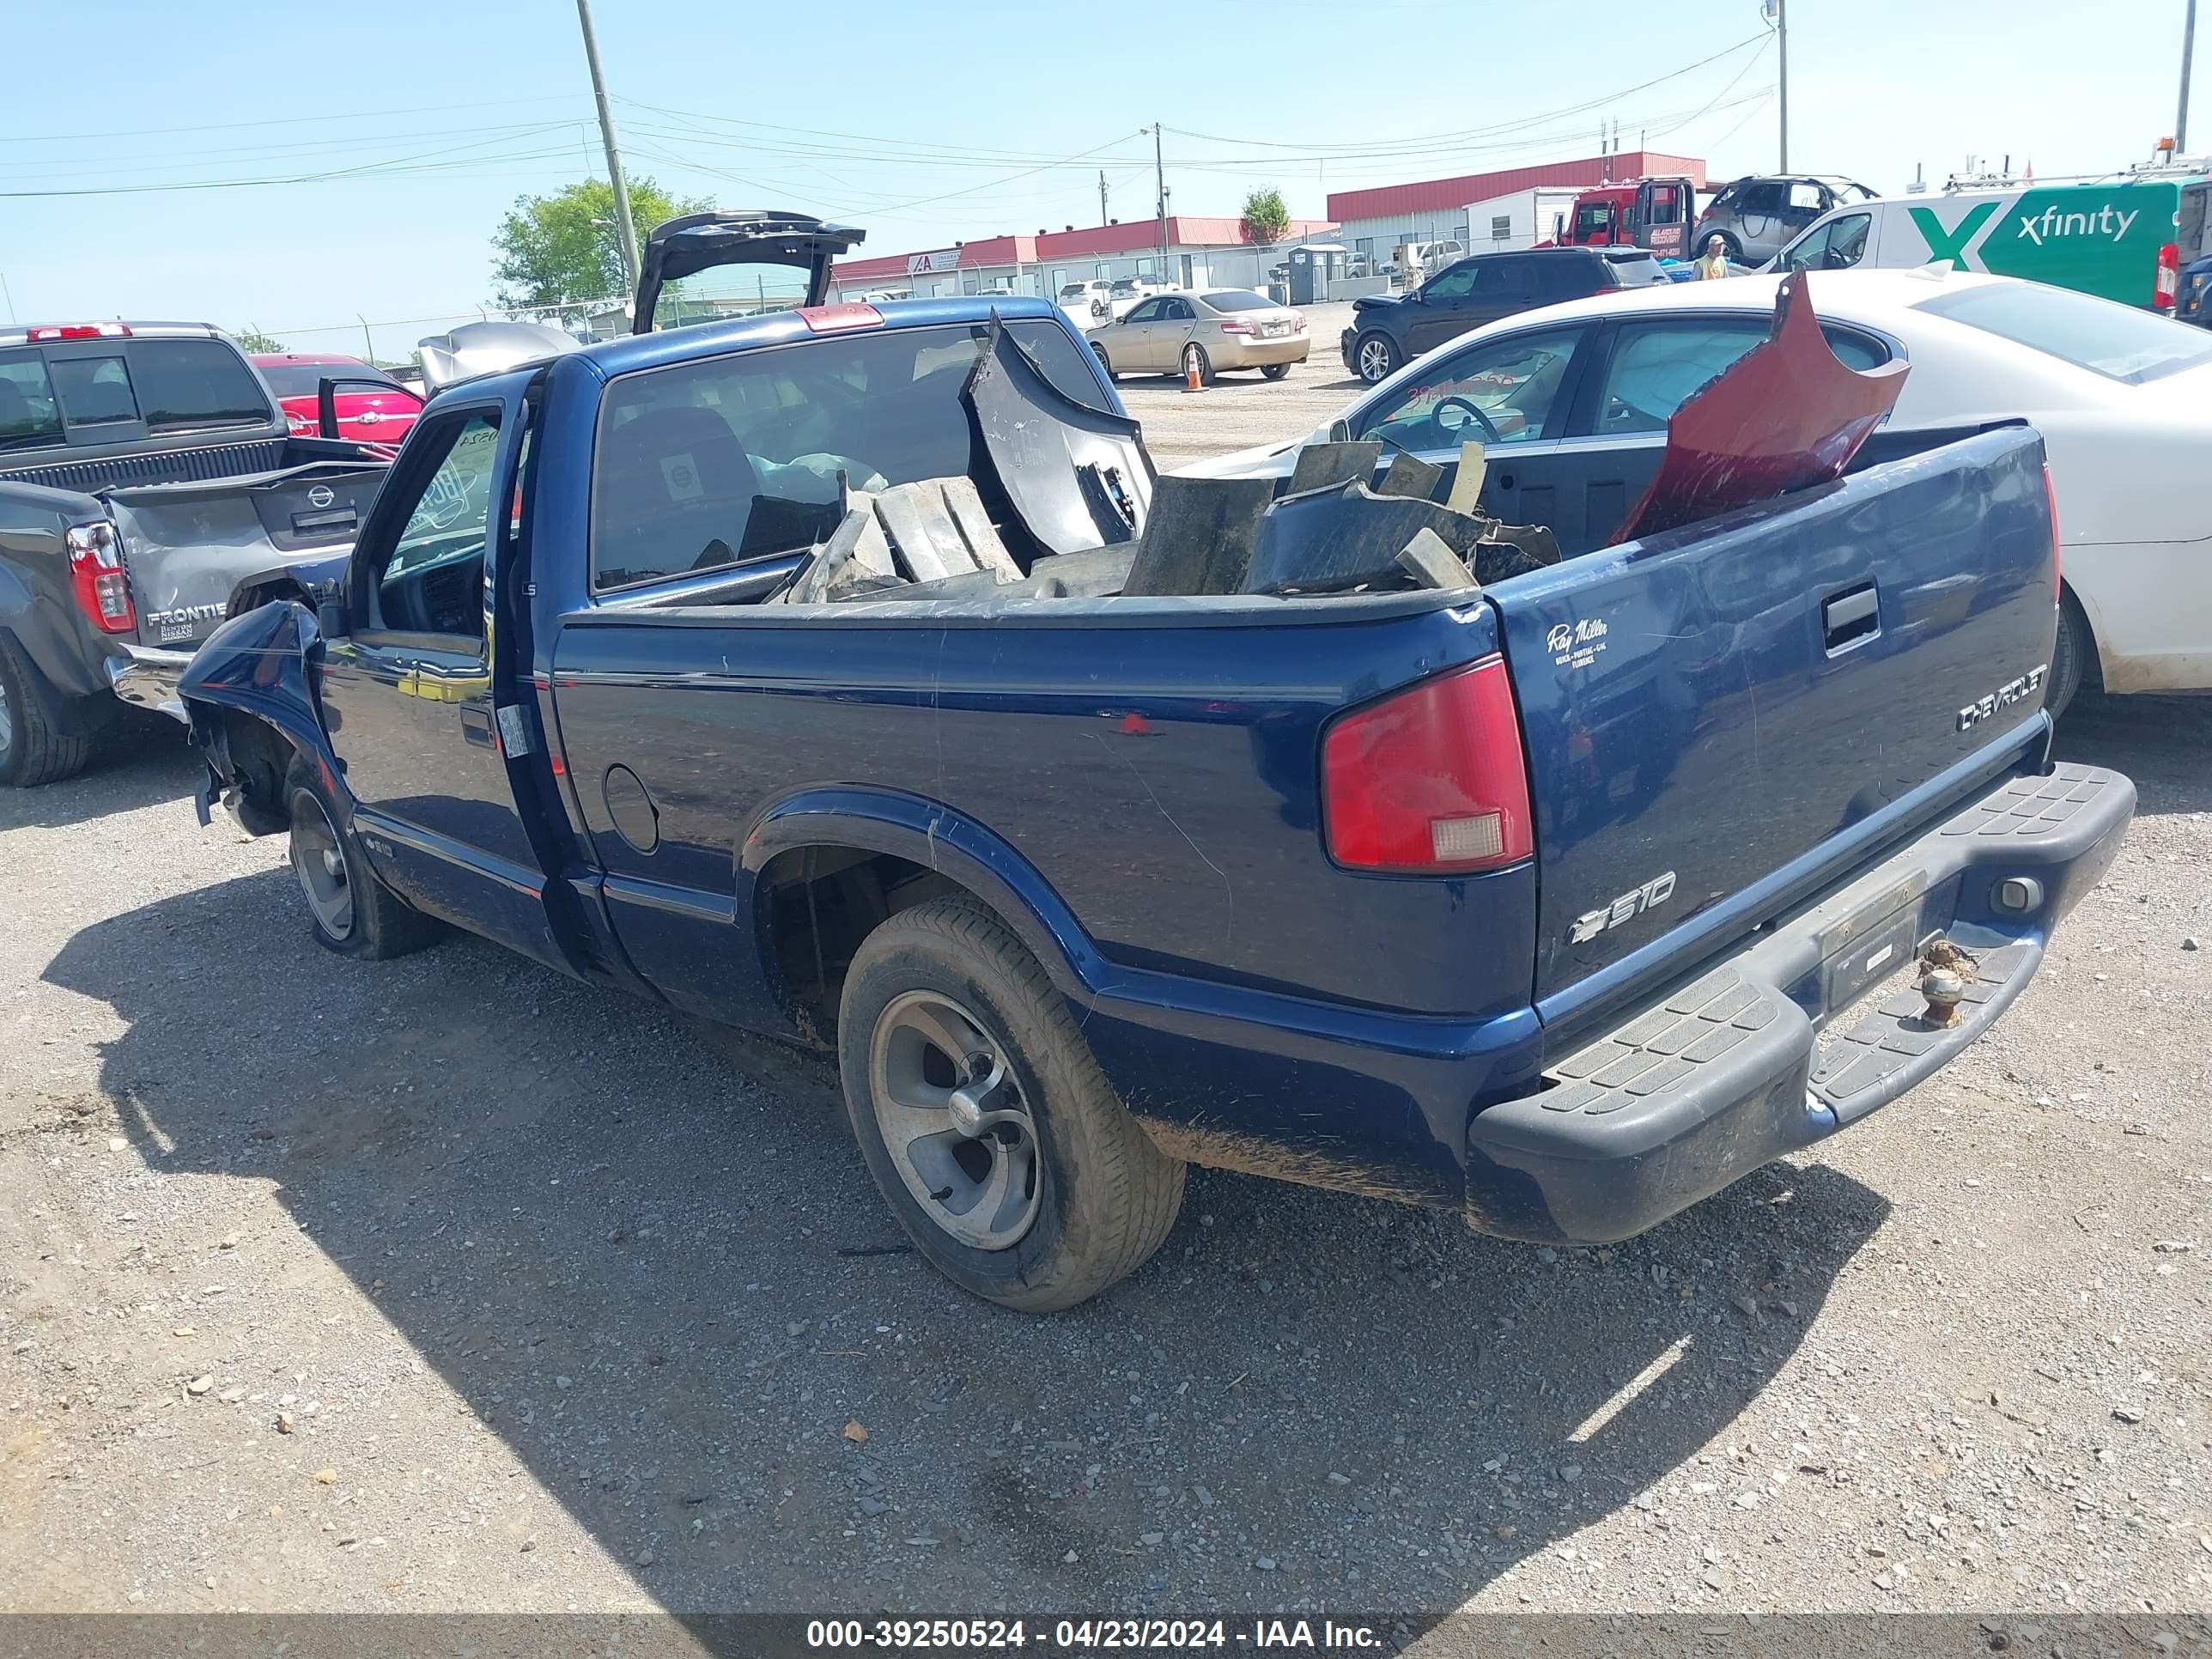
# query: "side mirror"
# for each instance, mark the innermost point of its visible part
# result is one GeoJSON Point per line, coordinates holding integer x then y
{"type": "Point", "coordinates": [330, 620]}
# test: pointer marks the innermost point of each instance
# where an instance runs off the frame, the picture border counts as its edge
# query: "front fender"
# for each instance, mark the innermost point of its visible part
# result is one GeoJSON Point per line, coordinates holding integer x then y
{"type": "Point", "coordinates": [937, 837]}
{"type": "Point", "coordinates": [266, 664]}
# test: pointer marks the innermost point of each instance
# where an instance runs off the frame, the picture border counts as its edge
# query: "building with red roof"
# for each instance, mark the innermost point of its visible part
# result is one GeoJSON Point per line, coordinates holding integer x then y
{"type": "Point", "coordinates": [1191, 251]}
{"type": "Point", "coordinates": [1375, 220]}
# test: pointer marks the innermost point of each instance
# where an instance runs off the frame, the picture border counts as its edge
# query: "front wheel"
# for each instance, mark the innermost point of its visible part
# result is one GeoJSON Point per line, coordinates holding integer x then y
{"type": "Point", "coordinates": [987, 1123]}
{"type": "Point", "coordinates": [352, 912]}
{"type": "Point", "coordinates": [1274, 371]}
{"type": "Point", "coordinates": [1105, 362]}
{"type": "Point", "coordinates": [1375, 358]}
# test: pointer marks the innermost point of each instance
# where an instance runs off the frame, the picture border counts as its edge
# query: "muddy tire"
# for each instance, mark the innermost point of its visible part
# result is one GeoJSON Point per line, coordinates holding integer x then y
{"type": "Point", "coordinates": [2070, 657]}
{"type": "Point", "coordinates": [349, 910]}
{"type": "Point", "coordinates": [32, 748]}
{"type": "Point", "coordinates": [985, 1119]}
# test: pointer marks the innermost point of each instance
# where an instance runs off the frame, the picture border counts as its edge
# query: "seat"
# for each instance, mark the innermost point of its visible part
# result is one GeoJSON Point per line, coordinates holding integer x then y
{"type": "Point", "coordinates": [675, 491]}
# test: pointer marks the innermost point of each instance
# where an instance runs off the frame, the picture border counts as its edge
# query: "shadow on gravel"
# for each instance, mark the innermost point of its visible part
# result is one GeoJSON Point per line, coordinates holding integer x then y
{"type": "Point", "coordinates": [649, 1259]}
{"type": "Point", "coordinates": [140, 759]}
{"type": "Point", "coordinates": [2165, 743]}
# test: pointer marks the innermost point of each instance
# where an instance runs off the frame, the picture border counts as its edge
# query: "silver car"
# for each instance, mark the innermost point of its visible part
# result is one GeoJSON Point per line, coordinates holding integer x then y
{"type": "Point", "coordinates": [1754, 217]}
{"type": "Point", "coordinates": [1216, 329]}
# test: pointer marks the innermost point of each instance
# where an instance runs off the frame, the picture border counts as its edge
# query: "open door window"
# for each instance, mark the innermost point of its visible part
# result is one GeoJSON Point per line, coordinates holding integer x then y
{"type": "Point", "coordinates": [763, 261]}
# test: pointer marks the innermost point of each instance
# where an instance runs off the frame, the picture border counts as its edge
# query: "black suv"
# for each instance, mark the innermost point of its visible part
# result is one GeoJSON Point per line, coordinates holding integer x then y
{"type": "Point", "coordinates": [1386, 331]}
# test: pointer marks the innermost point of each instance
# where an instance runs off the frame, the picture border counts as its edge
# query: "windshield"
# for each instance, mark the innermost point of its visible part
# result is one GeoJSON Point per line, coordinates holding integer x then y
{"type": "Point", "coordinates": [305, 380]}
{"type": "Point", "coordinates": [1075, 291]}
{"type": "Point", "coordinates": [2116, 341]}
{"type": "Point", "coordinates": [1238, 299]}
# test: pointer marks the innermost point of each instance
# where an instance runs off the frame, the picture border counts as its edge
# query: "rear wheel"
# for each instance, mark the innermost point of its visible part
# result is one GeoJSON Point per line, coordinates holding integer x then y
{"type": "Point", "coordinates": [34, 749]}
{"type": "Point", "coordinates": [985, 1119]}
{"type": "Point", "coordinates": [2071, 657]}
{"type": "Point", "coordinates": [1275, 371]}
{"type": "Point", "coordinates": [1375, 357]}
{"type": "Point", "coordinates": [353, 913]}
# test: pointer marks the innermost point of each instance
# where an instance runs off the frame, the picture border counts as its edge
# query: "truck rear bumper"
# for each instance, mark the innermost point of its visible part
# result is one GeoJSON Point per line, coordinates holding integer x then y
{"type": "Point", "coordinates": [1753, 1059]}
{"type": "Point", "coordinates": [148, 677]}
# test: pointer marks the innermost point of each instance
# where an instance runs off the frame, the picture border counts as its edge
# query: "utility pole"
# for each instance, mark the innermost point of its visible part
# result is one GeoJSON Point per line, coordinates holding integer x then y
{"type": "Point", "coordinates": [2188, 50]}
{"type": "Point", "coordinates": [1777, 10]}
{"type": "Point", "coordinates": [1102, 195]}
{"type": "Point", "coordinates": [625, 231]}
{"type": "Point", "coordinates": [1160, 179]}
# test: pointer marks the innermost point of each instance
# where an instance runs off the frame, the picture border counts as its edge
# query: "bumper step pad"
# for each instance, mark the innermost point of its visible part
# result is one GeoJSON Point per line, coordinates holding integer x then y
{"type": "Point", "coordinates": [1662, 1053]}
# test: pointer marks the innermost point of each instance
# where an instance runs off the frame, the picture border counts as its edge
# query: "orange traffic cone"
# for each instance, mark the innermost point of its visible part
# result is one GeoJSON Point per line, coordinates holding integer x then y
{"type": "Point", "coordinates": [1191, 382]}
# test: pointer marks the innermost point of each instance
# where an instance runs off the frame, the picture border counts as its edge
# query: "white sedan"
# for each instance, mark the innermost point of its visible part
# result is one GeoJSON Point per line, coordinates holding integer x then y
{"type": "Point", "coordinates": [1572, 403]}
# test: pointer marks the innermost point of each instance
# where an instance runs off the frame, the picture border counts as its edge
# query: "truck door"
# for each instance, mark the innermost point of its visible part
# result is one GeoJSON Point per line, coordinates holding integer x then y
{"type": "Point", "coordinates": [407, 692]}
{"type": "Point", "coordinates": [1662, 218]}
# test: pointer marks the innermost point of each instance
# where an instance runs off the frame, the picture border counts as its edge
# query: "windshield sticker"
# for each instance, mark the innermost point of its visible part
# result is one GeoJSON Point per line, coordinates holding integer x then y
{"type": "Point", "coordinates": [680, 474]}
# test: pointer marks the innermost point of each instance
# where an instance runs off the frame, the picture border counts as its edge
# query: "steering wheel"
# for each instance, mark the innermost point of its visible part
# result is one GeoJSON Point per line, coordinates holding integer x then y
{"type": "Point", "coordinates": [1489, 430]}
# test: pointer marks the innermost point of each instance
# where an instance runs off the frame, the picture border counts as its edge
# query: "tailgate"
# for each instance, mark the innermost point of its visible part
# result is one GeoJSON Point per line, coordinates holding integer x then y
{"type": "Point", "coordinates": [1723, 719]}
{"type": "Point", "coordinates": [190, 547]}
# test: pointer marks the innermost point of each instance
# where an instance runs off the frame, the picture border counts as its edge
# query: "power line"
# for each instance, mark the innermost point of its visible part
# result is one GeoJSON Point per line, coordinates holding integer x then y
{"type": "Point", "coordinates": [320, 117]}
{"type": "Point", "coordinates": [394, 167]}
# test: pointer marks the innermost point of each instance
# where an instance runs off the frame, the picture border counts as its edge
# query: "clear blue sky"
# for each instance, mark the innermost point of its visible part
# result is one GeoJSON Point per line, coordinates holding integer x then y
{"type": "Point", "coordinates": [951, 118]}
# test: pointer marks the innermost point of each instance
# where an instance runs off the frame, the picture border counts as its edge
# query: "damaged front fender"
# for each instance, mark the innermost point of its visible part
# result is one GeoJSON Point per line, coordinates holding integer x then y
{"type": "Point", "coordinates": [251, 697]}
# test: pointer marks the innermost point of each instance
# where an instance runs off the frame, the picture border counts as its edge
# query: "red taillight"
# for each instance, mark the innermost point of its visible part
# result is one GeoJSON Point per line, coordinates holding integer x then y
{"type": "Point", "coordinates": [1430, 781]}
{"type": "Point", "coordinates": [2167, 283]}
{"type": "Point", "coordinates": [82, 331]}
{"type": "Point", "coordinates": [1235, 328]}
{"type": "Point", "coordinates": [98, 579]}
{"type": "Point", "coordinates": [2051, 500]}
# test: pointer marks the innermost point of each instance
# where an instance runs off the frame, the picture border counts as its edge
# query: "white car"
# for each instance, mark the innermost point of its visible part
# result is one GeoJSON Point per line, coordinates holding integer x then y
{"type": "Point", "coordinates": [1571, 403]}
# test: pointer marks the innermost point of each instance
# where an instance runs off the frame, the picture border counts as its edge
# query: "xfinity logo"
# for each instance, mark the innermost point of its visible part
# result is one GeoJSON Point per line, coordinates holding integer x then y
{"type": "Point", "coordinates": [2054, 224]}
{"type": "Point", "coordinates": [2004, 697]}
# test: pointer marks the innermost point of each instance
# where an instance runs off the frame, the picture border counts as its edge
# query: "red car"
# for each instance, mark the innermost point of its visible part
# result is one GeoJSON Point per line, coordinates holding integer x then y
{"type": "Point", "coordinates": [372, 407]}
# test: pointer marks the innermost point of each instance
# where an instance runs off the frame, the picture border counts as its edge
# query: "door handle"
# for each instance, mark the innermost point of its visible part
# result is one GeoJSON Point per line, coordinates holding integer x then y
{"type": "Point", "coordinates": [476, 724]}
{"type": "Point", "coordinates": [1851, 616]}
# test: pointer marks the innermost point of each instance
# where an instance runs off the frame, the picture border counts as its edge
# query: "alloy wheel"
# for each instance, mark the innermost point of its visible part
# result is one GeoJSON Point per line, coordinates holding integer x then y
{"type": "Point", "coordinates": [320, 863]}
{"type": "Point", "coordinates": [953, 1119]}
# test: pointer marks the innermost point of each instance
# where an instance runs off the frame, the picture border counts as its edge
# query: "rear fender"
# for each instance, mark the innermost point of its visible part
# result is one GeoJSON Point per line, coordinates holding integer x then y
{"type": "Point", "coordinates": [266, 666]}
{"type": "Point", "coordinates": [931, 834]}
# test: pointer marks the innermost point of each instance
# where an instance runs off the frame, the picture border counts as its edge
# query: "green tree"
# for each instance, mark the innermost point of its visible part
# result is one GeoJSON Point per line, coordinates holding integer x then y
{"type": "Point", "coordinates": [555, 249]}
{"type": "Point", "coordinates": [1266, 218]}
{"type": "Point", "coordinates": [253, 340]}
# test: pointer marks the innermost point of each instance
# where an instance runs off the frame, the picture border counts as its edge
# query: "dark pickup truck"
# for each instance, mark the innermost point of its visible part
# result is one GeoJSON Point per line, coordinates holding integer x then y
{"type": "Point", "coordinates": [796, 672]}
{"type": "Point", "coordinates": [149, 489]}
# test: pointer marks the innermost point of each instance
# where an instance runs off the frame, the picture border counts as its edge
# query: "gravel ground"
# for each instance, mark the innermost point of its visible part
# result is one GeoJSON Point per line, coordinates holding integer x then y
{"type": "Point", "coordinates": [448, 1285]}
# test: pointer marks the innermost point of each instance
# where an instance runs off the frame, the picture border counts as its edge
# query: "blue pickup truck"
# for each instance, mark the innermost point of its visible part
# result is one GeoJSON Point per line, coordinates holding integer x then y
{"type": "Point", "coordinates": [791, 672]}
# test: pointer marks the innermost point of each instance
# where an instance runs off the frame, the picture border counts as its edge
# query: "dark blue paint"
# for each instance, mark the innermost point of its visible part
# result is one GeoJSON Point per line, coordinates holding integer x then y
{"type": "Point", "coordinates": [1133, 784]}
